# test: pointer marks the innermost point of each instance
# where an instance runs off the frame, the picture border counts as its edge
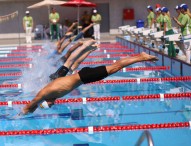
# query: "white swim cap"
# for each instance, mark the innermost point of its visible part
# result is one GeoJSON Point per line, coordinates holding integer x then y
{"type": "Point", "coordinates": [44, 104]}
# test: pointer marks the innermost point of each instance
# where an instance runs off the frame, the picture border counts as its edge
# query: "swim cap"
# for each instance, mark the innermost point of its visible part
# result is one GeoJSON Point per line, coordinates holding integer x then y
{"type": "Point", "coordinates": [44, 104]}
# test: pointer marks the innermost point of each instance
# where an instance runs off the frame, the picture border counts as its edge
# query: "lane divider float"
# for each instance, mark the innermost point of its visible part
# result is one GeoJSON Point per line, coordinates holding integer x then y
{"type": "Point", "coordinates": [115, 51]}
{"type": "Point", "coordinates": [145, 80]}
{"type": "Point", "coordinates": [11, 74]}
{"type": "Point", "coordinates": [95, 129]}
{"type": "Point", "coordinates": [21, 47]}
{"type": "Point", "coordinates": [85, 100]}
{"type": "Point", "coordinates": [8, 60]}
{"type": "Point", "coordinates": [9, 66]}
{"type": "Point", "coordinates": [112, 55]}
{"type": "Point", "coordinates": [13, 55]}
{"type": "Point", "coordinates": [3, 86]}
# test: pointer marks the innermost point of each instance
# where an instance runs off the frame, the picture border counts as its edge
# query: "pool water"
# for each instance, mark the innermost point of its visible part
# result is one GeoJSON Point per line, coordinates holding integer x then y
{"type": "Point", "coordinates": [70, 115]}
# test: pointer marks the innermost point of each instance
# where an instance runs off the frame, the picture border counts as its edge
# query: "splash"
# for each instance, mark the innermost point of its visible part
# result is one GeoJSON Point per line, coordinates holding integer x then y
{"type": "Point", "coordinates": [37, 77]}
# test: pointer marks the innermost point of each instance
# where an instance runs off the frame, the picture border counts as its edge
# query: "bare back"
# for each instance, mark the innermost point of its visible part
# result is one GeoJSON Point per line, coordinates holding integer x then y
{"type": "Point", "coordinates": [61, 86]}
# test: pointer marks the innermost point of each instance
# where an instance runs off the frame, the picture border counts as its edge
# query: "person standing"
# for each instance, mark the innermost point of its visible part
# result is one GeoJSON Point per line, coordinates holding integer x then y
{"type": "Point", "coordinates": [150, 17]}
{"type": "Point", "coordinates": [54, 18]}
{"type": "Point", "coordinates": [183, 22]}
{"type": "Point", "coordinates": [167, 24]}
{"type": "Point", "coordinates": [179, 16]}
{"type": "Point", "coordinates": [159, 18]}
{"type": "Point", "coordinates": [28, 26]}
{"type": "Point", "coordinates": [86, 20]}
{"type": "Point", "coordinates": [96, 19]}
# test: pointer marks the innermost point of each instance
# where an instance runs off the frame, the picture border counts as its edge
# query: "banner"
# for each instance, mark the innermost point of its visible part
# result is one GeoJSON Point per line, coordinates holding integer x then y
{"type": "Point", "coordinates": [8, 17]}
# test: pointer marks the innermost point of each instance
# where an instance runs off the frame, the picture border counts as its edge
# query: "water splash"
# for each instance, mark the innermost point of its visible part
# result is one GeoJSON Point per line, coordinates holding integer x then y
{"type": "Point", "coordinates": [37, 77]}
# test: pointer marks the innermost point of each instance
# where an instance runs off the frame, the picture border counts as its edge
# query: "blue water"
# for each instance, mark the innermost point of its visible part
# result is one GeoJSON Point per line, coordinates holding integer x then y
{"type": "Point", "coordinates": [95, 114]}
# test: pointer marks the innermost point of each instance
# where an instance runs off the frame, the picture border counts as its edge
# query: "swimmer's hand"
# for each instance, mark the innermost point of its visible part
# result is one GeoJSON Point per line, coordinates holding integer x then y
{"type": "Point", "coordinates": [146, 57]}
{"type": "Point", "coordinates": [18, 116]}
{"type": "Point", "coordinates": [93, 47]}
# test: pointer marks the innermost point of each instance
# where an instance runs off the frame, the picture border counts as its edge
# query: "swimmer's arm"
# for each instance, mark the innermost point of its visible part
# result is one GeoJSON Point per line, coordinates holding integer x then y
{"type": "Point", "coordinates": [33, 105]}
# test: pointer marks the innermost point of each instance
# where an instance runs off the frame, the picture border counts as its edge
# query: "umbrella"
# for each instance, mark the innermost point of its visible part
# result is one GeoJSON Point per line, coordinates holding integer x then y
{"type": "Point", "coordinates": [47, 3]}
{"type": "Point", "coordinates": [79, 3]}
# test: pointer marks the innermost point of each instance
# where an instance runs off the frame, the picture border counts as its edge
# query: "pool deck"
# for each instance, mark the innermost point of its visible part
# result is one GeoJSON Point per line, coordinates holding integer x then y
{"type": "Point", "coordinates": [105, 37]}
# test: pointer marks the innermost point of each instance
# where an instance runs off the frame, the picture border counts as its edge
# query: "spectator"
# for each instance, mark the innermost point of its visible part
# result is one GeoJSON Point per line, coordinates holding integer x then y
{"type": "Point", "coordinates": [28, 26]}
{"type": "Point", "coordinates": [66, 25]}
{"type": "Point", "coordinates": [179, 16]}
{"type": "Point", "coordinates": [167, 24]}
{"type": "Point", "coordinates": [159, 18]}
{"type": "Point", "coordinates": [85, 21]}
{"type": "Point", "coordinates": [54, 18]}
{"type": "Point", "coordinates": [183, 22]}
{"type": "Point", "coordinates": [150, 17]}
{"type": "Point", "coordinates": [96, 18]}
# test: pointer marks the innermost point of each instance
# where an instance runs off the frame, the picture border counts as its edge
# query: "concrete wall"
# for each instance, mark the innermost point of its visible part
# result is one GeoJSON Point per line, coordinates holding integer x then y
{"type": "Point", "coordinates": [40, 15]}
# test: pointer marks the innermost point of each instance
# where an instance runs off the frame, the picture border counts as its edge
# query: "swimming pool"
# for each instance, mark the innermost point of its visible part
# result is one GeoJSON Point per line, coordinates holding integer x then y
{"type": "Point", "coordinates": [106, 113]}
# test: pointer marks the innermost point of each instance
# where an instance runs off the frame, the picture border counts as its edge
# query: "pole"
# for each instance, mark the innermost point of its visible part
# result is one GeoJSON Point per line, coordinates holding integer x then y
{"type": "Point", "coordinates": [19, 30]}
{"type": "Point", "coordinates": [49, 21]}
{"type": "Point", "coordinates": [78, 17]}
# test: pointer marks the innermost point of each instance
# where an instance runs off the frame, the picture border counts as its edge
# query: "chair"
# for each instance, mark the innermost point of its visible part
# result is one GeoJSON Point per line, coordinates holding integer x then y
{"type": "Point", "coordinates": [60, 30]}
{"type": "Point", "coordinates": [39, 32]}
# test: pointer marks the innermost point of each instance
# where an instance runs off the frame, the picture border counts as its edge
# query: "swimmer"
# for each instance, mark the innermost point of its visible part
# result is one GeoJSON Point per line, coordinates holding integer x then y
{"type": "Point", "coordinates": [69, 34]}
{"type": "Point", "coordinates": [75, 58]}
{"type": "Point", "coordinates": [64, 85]}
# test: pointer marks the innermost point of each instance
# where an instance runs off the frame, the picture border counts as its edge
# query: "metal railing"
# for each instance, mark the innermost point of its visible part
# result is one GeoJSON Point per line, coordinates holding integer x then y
{"type": "Point", "coordinates": [145, 134]}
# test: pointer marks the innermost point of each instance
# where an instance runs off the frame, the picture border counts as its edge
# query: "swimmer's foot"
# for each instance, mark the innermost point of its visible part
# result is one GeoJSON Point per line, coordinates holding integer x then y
{"type": "Point", "coordinates": [89, 42]}
{"type": "Point", "coordinates": [63, 59]}
{"type": "Point", "coordinates": [61, 72]}
{"type": "Point", "coordinates": [58, 45]}
{"type": "Point", "coordinates": [72, 38]}
{"type": "Point", "coordinates": [93, 47]}
{"type": "Point", "coordinates": [147, 57]}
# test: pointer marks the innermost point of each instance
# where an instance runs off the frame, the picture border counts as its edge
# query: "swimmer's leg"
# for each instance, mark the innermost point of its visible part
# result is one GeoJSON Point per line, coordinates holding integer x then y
{"type": "Point", "coordinates": [67, 35]}
{"type": "Point", "coordinates": [63, 70]}
{"type": "Point", "coordinates": [69, 52]}
{"type": "Point", "coordinates": [82, 57]}
{"type": "Point", "coordinates": [52, 54]}
{"type": "Point", "coordinates": [118, 65]}
{"type": "Point", "coordinates": [61, 49]}
{"type": "Point", "coordinates": [81, 34]}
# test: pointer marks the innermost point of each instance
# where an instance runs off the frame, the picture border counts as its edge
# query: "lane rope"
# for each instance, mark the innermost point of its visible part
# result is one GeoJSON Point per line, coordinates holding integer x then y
{"type": "Point", "coordinates": [95, 129]}
{"type": "Point", "coordinates": [85, 100]}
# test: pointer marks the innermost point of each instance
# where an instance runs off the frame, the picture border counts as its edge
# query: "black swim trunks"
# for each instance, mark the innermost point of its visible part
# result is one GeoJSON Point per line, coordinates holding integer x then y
{"type": "Point", "coordinates": [88, 75]}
